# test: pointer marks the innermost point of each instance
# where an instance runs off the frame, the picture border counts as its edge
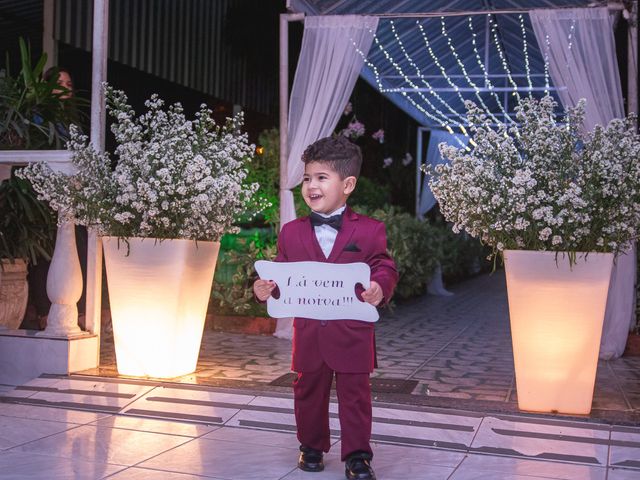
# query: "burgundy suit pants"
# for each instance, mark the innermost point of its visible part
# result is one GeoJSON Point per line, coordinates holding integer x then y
{"type": "Point", "coordinates": [311, 392]}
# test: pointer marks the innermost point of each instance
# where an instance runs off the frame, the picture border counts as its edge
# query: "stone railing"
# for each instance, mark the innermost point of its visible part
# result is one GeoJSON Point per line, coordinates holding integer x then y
{"type": "Point", "coordinates": [64, 280]}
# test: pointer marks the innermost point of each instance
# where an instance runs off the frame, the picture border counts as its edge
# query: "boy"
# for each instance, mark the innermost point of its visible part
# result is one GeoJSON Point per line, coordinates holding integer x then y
{"type": "Point", "coordinates": [334, 233]}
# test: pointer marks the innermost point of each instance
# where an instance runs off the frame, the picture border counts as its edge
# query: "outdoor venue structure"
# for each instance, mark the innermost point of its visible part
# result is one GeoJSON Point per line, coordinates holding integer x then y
{"type": "Point", "coordinates": [425, 59]}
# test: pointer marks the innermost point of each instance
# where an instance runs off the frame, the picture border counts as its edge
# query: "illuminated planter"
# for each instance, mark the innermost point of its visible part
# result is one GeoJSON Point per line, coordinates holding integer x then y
{"type": "Point", "coordinates": [158, 293]}
{"type": "Point", "coordinates": [556, 315]}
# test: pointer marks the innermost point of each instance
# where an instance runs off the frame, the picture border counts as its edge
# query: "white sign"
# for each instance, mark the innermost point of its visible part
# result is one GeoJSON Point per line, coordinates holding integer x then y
{"type": "Point", "coordinates": [318, 290]}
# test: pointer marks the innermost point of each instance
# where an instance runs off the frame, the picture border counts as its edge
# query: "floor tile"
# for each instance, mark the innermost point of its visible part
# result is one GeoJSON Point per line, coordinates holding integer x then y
{"type": "Point", "coordinates": [519, 466]}
{"type": "Point", "coordinates": [95, 393]}
{"type": "Point", "coordinates": [543, 440]}
{"type": "Point", "coordinates": [152, 425]}
{"type": "Point", "coordinates": [254, 437]}
{"type": "Point", "coordinates": [133, 473]}
{"type": "Point", "coordinates": [226, 460]}
{"type": "Point", "coordinates": [625, 450]}
{"type": "Point", "coordinates": [106, 445]}
{"type": "Point", "coordinates": [623, 474]}
{"type": "Point", "coordinates": [36, 412]}
{"type": "Point", "coordinates": [16, 431]}
{"type": "Point", "coordinates": [395, 454]}
{"type": "Point", "coordinates": [189, 404]}
{"type": "Point", "coordinates": [18, 465]}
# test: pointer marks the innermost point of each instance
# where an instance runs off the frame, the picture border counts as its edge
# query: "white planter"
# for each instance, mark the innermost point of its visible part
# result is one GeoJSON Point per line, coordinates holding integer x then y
{"type": "Point", "coordinates": [14, 292]}
{"type": "Point", "coordinates": [158, 293]}
{"type": "Point", "coordinates": [556, 313]}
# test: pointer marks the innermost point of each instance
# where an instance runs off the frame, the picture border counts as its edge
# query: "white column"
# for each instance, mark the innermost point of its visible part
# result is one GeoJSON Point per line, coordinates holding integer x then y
{"type": "Point", "coordinates": [98, 121]}
{"type": "Point", "coordinates": [48, 40]}
{"type": "Point", "coordinates": [64, 285]}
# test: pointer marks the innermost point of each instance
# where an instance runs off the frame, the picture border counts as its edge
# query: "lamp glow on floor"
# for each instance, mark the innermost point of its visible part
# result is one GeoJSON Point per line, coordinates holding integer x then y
{"type": "Point", "coordinates": [158, 294]}
{"type": "Point", "coordinates": [556, 314]}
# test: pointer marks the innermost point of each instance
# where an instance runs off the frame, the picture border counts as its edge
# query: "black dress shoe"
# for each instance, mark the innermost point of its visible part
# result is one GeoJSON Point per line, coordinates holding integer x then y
{"type": "Point", "coordinates": [358, 467]}
{"type": "Point", "coordinates": [310, 460]}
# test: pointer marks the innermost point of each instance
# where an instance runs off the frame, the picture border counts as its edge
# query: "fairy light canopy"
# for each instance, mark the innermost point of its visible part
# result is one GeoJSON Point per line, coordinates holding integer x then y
{"type": "Point", "coordinates": [428, 58]}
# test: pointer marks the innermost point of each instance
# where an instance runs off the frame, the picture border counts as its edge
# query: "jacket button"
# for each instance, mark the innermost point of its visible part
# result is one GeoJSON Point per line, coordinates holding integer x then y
{"type": "Point", "coordinates": [323, 323]}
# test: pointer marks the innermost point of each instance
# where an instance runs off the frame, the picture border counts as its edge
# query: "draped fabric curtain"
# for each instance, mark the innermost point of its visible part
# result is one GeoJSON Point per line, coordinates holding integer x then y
{"type": "Point", "coordinates": [332, 55]}
{"type": "Point", "coordinates": [580, 46]}
{"type": "Point", "coordinates": [436, 137]}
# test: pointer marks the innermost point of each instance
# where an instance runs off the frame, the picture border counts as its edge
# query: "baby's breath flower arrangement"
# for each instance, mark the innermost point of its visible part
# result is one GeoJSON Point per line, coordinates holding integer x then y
{"type": "Point", "coordinates": [170, 178]}
{"type": "Point", "coordinates": [544, 184]}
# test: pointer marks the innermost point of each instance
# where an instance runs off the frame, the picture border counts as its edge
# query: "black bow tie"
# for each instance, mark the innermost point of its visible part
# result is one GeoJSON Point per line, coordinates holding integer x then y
{"type": "Point", "coordinates": [334, 221]}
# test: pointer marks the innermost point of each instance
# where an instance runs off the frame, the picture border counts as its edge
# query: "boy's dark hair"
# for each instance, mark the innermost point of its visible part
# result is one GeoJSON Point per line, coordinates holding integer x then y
{"type": "Point", "coordinates": [343, 156]}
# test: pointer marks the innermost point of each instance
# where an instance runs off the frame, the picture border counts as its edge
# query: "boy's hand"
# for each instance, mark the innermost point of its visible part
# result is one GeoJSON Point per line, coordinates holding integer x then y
{"type": "Point", "coordinates": [373, 294]}
{"type": "Point", "coordinates": [262, 289]}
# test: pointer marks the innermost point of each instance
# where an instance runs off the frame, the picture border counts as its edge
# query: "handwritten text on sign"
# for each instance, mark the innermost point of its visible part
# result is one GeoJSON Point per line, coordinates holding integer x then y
{"type": "Point", "coordinates": [323, 291]}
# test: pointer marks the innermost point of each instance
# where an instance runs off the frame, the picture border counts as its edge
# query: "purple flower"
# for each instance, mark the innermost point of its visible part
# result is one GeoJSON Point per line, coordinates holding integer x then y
{"type": "Point", "coordinates": [378, 135]}
{"type": "Point", "coordinates": [387, 162]}
{"type": "Point", "coordinates": [354, 130]}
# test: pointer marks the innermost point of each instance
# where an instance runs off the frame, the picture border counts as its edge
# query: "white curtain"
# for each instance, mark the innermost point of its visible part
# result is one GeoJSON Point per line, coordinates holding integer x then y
{"type": "Point", "coordinates": [436, 137]}
{"type": "Point", "coordinates": [330, 61]}
{"type": "Point", "coordinates": [327, 71]}
{"type": "Point", "coordinates": [581, 50]}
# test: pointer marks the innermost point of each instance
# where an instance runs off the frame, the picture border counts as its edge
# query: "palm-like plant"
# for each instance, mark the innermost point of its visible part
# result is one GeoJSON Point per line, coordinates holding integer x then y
{"type": "Point", "coordinates": [34, 115]}
{"type": "Point", "coordinates": [27, 226]}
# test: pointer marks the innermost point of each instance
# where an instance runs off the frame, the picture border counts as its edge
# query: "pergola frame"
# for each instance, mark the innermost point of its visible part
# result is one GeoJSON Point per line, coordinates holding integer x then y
{"type": "Point", "coordinates": [632, 83]}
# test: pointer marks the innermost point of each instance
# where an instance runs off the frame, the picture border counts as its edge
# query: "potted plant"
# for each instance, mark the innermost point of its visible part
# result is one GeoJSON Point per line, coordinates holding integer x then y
{"type": "Point", "coordinates": [33, 117]}
{"type": "Point", "coordinates": [27, 230]}
{"type": "Point", "coordinates": [176, 188]}
{"type": "Point", "coordinates": [35, 110]}
{"type": "Point", "coordinates": [558, 204]}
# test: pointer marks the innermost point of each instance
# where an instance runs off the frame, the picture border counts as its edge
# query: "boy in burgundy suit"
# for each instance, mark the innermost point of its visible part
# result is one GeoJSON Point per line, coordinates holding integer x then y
{"type": "Point", "coordinates": [346, 348]}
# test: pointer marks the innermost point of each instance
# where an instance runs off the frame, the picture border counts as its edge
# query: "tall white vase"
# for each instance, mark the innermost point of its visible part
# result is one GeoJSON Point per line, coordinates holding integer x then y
{"type": "Point", "coordinates": [158, 293]}
{"type": "Point", "coordinates": [556, 313]}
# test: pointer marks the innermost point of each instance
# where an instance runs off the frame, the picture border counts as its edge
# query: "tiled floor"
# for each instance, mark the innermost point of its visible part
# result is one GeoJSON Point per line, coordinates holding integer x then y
{"type": "Point", "coordinates": [226, 421]}
{"type": "Point", "coordinates": [55, 428]}
{"type": "Point", "coordinates": [458, 348]}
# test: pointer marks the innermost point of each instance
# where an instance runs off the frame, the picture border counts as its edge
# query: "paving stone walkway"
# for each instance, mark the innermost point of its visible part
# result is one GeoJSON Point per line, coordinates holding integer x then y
{"type": "Point", "coordinates": [458, 348]}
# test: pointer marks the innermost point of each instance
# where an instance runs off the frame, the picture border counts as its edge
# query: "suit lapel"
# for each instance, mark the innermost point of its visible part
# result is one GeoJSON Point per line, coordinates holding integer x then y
{"type": "Point", "coordinates": [344, 235]}
{"type": "Point", "coordinates": [310, 242]}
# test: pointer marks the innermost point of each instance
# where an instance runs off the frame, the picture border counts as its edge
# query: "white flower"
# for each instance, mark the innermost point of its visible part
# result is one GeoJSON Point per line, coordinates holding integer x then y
{"type": "Point", "coordinates": [175, 178]}
{"type": "Point", "coordinates": [542, 183]}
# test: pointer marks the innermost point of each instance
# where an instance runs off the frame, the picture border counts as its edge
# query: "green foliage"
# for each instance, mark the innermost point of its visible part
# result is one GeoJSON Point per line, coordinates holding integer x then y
{"type": "Point", "coordinates": [461, 255]}
{"type": "Point", "coordinates": [236, 297]}
{"type": "Point", "coordinates": [265, 171]}
{"type": "Point", "coordinates": [414, 246]}
{"type": "Point", "coordinates": [27, 226]}
{"type": "Point", "coordinates": [34, 114]}
{"type": "Point", "coordinates": [370, 194]}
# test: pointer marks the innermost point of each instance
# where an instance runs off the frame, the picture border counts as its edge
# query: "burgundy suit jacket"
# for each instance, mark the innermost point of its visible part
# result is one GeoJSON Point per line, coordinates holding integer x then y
{"type": "Point", "coordinates": [347, 346]}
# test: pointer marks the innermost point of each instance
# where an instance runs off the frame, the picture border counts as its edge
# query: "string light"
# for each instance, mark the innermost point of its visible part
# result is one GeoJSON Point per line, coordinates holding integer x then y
{"type": "Point", "coordinates": [419, 107]}
{"type": "Point", "coordinates": [398, 69]}
{"type": "Point", "coordinates": [435, 112]}
{"type": "Point", "coordinates": [526, 54]}
{"type": "Point", "coordinates": [546, 64]}
{"type": "Point", "coordinates": [487, 81]}
{"type": "Point", "coordinates": [426, 83]}
{"type": "Point", "coordinates": [503, 60]}
{"type": "Point", "coordinates": [453, 51]}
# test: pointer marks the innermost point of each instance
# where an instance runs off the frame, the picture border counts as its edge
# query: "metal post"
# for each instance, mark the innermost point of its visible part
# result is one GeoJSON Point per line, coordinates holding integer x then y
{"type": "Point", "coordinates": [98, 121]}
{"type": "Point", "coordinates": [285, 18]}
{"type": "Point", "coordinates": [420, 131]}
{"type": "Point", "coordinates": [632, 60]}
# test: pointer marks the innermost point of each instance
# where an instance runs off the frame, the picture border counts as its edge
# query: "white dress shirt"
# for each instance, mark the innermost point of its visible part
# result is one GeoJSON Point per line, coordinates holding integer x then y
{"type": "Point", "coordinates": [325, 234]}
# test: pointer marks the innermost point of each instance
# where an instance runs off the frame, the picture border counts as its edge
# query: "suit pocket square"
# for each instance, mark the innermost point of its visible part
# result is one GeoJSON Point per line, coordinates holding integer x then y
{"type": "Point", "coordinates": [352, 247]}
